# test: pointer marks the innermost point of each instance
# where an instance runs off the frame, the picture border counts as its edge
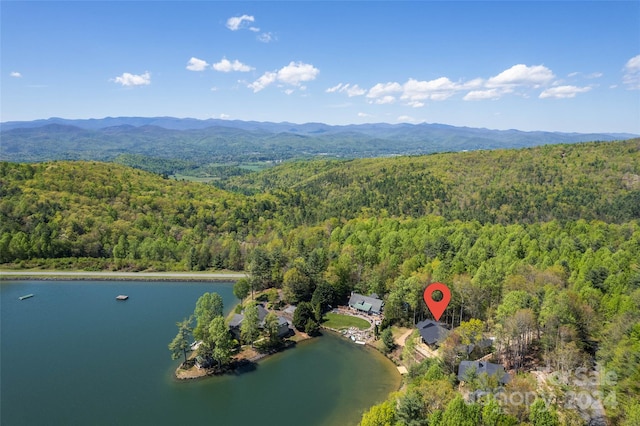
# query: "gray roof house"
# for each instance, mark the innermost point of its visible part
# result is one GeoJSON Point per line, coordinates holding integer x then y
{"type": "Point", "coordinates": [236, 322]}
{"type": "Point", "coordinates": [432, 332]}
{"type": "Point", "coordinates": [366, 304]}
{"type": "Point", "coordinates": [483, 367]}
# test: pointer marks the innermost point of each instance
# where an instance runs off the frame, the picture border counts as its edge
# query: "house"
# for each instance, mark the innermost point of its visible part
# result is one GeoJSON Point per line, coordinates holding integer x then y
{"type": "Point", "coordinates": [483, 367]}
{"type": "Point", "coordinates": [284, 327]}
{"type": "Point", "coordinates": [366, 304]}
{"type": "Point", "coordinates": [432, 332]}
{"type": "Point", "coordinates": [204, 361]}
{"type": "Point", "coordinates": [482, 345]}
{"type": "Point", "coordinates": [235, 324]}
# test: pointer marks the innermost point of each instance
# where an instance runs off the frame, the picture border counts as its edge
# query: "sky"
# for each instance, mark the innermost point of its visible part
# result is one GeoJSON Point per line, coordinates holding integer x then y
{"type": "Point", "coordinates": [554, 66]}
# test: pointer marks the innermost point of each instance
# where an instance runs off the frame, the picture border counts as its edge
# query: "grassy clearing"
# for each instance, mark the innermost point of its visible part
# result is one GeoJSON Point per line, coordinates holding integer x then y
{"type": "Point", "coordinates": [340, 322]}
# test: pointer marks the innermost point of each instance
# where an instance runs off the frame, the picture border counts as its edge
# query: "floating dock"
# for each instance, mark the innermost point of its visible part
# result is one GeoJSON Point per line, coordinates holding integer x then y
{"type": "Point", "coordinates": [26, 296]}
{"type": "Point", "coordinates": [122, 297]}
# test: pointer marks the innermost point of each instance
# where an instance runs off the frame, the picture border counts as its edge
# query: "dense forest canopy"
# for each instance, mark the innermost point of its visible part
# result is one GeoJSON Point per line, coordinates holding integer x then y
{"type": "Point", "coordinates": [550, 235]}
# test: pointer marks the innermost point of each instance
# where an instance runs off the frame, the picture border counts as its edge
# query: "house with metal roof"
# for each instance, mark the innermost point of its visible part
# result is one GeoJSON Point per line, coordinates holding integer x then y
{"type": "Point", "coordinates": [366, 304]}
{"type": "Point", "coordinates": [481, 367]}
{"type": "Point", "coordinates": [236, 323]}
{"type": "Point", "coordinates": [432, 332]}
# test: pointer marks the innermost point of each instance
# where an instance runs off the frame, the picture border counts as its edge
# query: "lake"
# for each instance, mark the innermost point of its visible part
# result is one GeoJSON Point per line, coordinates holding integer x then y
{"type": "Point", "coordinates": [73, 355]}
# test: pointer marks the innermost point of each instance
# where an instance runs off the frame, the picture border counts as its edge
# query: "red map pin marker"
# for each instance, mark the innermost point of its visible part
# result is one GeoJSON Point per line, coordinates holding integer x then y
{"type": "Point", "coordinates": [437, 307]}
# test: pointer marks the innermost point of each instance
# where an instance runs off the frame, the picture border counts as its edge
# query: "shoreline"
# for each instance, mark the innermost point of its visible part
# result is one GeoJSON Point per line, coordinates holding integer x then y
{"type": "Point", "coordinates": [51, 275]}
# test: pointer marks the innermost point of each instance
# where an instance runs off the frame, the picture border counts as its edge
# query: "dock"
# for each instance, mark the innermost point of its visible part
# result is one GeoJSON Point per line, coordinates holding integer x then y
{"type": "Point", "coordinates": [122, 297]}
{"type": "Point", "coordinates": [26, 296]}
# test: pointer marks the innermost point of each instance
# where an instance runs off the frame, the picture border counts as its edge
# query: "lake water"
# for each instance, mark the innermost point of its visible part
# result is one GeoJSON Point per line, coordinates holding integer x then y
{"type": "Point", "coordinates": [73, 355]}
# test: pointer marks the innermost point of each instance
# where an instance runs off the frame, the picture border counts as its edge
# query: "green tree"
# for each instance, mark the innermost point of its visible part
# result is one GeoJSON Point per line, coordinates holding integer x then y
{"type": "Point", "coordinates": [458, 413]}
{"type": "Point", "coordinates": [180, 343]}
{"type": "Point", "coordinates": [324, 294]}
{"type": "Point", "coordinates": [221, 339]}
{"type": "Point", "coordinates": [411, 409]}
{"type": "Point", "coordinates": [208, 307]}
{"type": "Point", "coordinates": [540, 415]}
{"type": "Point", "coordinates": [241, 288]}
{"type": "Point", "coordinates": [271, 327]}
{"type": "Point", "coordinates": [470, 331]}
{"type": "Point", "coordinates": [311, 327]}
{"type": "Point", "coordinates": [260, 264]}
{"type": "Point", "coordinates": [249, 330]}
{"type": "Point", "coordinates": [296, 286]}
{"type": "Point", "coordinates": [302, 314]}
{"type": "Point", "coordinates": [387, 340]}
{"type": "Point", "coordinates": [380, 415]}
{"type": "Point", "coordinates": [632, 414]}
{"type": "Point", "coordinates": [494, 415]}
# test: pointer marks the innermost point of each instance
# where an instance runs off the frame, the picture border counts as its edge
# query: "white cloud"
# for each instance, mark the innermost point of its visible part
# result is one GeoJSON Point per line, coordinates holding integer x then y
{"type": "Point", "coordinates": [224, 116]}
{"type": "Point", "coordinates": [519, 79]}
{"type": "Point", "coordinates": [15, 74]}
{"type": "Point", "coordinates": [350, 90]}
{"type": "Point", "coordinates": [196, 64]}
{"type": "Point", "coordinates": [590, 76]}
{"type": "Point", "coordinates": [237, 22]}
{"type": "Point", "coordinates": [337, 88]}
{"type": "Point", "coordinates": [518, 76]}
{"type": "Point", "coordinates": [388, 99]}
{"type": "Point", "coordinates": [264, 81]}
{"type": "Point", "coordinates": [289, 91]}
{"type": "Point", "coordinates": [293, 74]}
{"type": "Point", "coordinates": [227, 66]}
{"type": "Point", "coordinates": [297, 72]}
{"type": "Point", "coordinates": [521, 75]}
{"type": "Point", "coordinates": [477, 95]}
{"type": "Point", "coordinates": [128, 79]}
{"type": "Point", "coordinates": [355, 90]}
{"type": "Point", "coordinates": [384, 93]}
{"type": "Point", "coordinates": [438, 90]}
{"type": "Point", "coordinates": [406, 119]}
{"type": "Point", "coordinates": [631, 76]}
{"type": "Point", "coordinates": [254, 29]}
{"type": "Point", "coordinates": [266, 37]}
{"type": "Point", "coordinates": [364, 115]}
{"type": "Point", "coordinates": [563, 92]}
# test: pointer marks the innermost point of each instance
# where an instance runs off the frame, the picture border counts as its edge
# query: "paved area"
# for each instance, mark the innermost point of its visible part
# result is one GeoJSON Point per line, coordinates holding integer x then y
{"type": "Point", "coordinates": [131, 275]}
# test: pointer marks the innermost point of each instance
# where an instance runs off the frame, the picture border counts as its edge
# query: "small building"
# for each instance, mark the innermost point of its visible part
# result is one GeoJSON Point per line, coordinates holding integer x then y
{"type": "Point", "coordinates": [481, 367]}
{"type": "Point", "coordinates": [235, 324]}
{"type": "Point", "coordinates": [366, 304]}
{"type": "Point", "coordinates": [284, 328]}
{"type": "Point", "coordinates": [203, 362]}
{"type": "Point", "coordinates": [432, 332]}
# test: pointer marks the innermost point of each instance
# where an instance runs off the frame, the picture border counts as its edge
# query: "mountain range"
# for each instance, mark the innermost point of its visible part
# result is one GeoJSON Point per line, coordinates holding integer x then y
{"type": "Point", "coordinates": [200, 142]}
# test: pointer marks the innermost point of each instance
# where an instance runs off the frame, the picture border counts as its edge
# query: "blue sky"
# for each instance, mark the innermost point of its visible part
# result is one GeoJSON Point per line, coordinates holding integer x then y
{"type": "Point", "coordinates": [559, 66]}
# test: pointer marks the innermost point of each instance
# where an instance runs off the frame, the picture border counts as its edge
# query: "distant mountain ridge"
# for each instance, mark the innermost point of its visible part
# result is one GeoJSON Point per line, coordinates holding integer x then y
{"type": "Point", "coordinates": [201, 142]}
{"type": "Point", "coordinates": [174, 123]}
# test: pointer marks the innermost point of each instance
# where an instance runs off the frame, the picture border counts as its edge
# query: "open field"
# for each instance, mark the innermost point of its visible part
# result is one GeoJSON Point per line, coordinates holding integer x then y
{"type": "Point", "coordinates": [341, 322]}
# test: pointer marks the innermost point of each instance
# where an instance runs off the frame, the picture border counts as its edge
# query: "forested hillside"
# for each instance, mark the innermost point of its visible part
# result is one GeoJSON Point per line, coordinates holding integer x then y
{"type": "Point", "coordinates": [549, 235]}
{"type": "Point", "coordinates": [189, 146]}
{"type": "Point", "coordinates": [584, 181]}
